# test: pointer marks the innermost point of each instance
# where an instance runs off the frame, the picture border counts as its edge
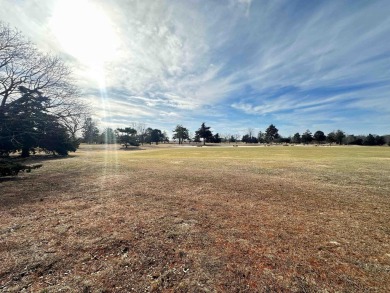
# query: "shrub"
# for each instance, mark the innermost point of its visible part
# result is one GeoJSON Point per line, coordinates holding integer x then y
{"type": "Point", "coordinates": [12, 168]}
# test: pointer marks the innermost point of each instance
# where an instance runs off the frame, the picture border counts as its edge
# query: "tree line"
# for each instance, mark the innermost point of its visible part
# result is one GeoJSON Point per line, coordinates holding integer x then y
{"type": "Point", "coordinates": [138, 134]}
{"type": "Point", "coordinates": [133, 135]}
{"type": "Point", "coordinates": [271, 135]}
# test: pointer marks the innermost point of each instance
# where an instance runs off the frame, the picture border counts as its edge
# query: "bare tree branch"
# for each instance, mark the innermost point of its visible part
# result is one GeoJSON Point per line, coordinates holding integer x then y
{"type": "Point", "coordinates": [22, 64]}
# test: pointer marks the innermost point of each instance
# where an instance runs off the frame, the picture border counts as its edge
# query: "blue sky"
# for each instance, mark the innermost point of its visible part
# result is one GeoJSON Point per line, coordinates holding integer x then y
{"type": "Point", "coordinates": [235, 64]}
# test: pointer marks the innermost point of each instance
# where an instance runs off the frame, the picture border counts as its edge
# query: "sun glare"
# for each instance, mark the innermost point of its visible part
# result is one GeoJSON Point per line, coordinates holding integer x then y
{"type": "Point", "coordinates": [84, 31]}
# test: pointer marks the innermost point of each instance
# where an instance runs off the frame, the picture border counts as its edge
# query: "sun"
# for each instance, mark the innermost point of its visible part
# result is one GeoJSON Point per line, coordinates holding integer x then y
{"type": "Point", "coordinates": [84, 31]}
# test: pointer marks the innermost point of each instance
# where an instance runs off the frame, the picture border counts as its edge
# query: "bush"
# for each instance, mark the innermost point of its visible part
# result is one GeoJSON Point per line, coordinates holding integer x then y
{"type": "Point", "coordinates": [13, 169]}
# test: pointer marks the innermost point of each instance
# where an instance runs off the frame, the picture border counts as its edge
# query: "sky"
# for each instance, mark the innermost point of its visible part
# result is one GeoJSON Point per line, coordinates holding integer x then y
{"type": "Point", "coordinates": [234, 64]}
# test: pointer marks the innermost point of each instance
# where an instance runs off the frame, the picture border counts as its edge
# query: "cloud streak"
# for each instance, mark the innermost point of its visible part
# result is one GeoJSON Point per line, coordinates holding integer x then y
{"type": "Point", "coordinates": [286, 62]}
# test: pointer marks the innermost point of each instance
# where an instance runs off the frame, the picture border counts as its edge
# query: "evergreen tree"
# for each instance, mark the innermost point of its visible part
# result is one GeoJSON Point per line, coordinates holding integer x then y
{"type": "Point", "coordinates": [216, 138]}
{"type": "Point", "coordinates": [232, 139]}
{"type": "Point", "coordinates": [261, 137]}
{"type": "Point", "coordinates": [156, 136]}
{"type": "Point", "coordinates": [26, 124]}
{"type": "Point", "coordinates": [128, 136]}
{"type": "Point", "coordinates": [307, 137]}
{"type": "Point", "coordinates": [319, 136]}
{"type": "Point", "coordinates": [271, 133]}
{"type": "Point", "coordinates": [331, 138]}
{"type": "Point", "coordinates": [339, 136]}
{"type": "Point", "coordinates": [90, 131]}
{"type": "Point", "coordinates": [108, 136]}
{"type": "Point", "coordinates": [204, 132]}
{"type": "Point", "coordinates": [296, 138]}
{"type": "Point", "coordinates": [369, 140]}
{"type": "Point", "coordinates": [180, 133]}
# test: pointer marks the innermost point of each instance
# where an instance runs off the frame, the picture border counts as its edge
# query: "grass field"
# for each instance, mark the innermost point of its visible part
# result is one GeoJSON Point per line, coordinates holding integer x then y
{"type": "Point", "coordinates": [199, 219]}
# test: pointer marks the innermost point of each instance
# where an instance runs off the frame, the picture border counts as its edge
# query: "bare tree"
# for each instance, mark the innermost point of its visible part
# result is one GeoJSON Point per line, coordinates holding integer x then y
{"type": "Point", "coordinates": [74, 122]}
{"type": "Point", "coordinates": [250, 132]}
{"type": "Point", "coordinates": [23, 65]}
{"type": "Point", "coordinates": [12, 45]}
{"type": "Point", "coordinates": [226, 137]}
{"type": "Point", "coordinates": [141, 130]}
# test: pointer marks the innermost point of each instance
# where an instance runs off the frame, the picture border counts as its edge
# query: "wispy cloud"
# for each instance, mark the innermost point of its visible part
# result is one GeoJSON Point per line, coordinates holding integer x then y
{"type": "Point", "coordinates": [301, 64]}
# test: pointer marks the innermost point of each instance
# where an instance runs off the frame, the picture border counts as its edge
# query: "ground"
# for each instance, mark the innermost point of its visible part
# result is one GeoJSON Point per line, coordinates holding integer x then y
{"type": "Point", "coordinates": [199, 219]}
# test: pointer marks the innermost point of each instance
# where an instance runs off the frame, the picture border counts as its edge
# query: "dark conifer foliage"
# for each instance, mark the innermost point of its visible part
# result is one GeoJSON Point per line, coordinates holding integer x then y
{"type": "Point", "coordinates": [27, 125]}
{"type": "Point", "coordinates": [204, 132]}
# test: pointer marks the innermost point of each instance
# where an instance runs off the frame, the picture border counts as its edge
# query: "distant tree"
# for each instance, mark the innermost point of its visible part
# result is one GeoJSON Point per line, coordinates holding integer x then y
{"type": "Point", "coordinates": [74, 123]}
{"type": "Point", "coordinates": [331, 138]}
{"type": "Point", "coordinates": [369, 140]}
{"type": "Point", "coordinates": [319, 136]}
{"type": "Point", "coordinates": [380, 140]}
{"type": "Point", "coordinates": [248, 139]}
{"type": "Point", "coordinates": [307, 137]}
{"type": "Point", "coordinates": [271, 133]}
{"type": "Point", "coordinates": [204, 132]}
{"type": "Point", "coordinates": [387, 139]}
{"type": "Point", "coordinates": [236, 137]}
{"type": "Point", "coordinates": [225, 137]}
{"type": "Point", "coordinates": [156, 136]}
{"type": "Point", "coordinates": [196, 138]}
{"type": "Point", "coordinates": [232, 139]}
{"type": "Point", "coordinates": [296, 138]}
{"type": "Point", "coordinates": [142, 131]}
{"type": "Point", "coordinates": [127, 137]}
{"type": "Point", "coordinates": [354, 140]}
{"type": "Point", "coordinates": [285, 139]}
{"type": "Point", "coordinates": [250, 132]}
{"type": "Point", "coordinates": [245, 138]}
{"type": "Point", "coordinates": [180, 133]}
{"type": "Point", "coordinates": [108, 136]}
{"type": "Point", "coordinates": [165, 137]}
{"type": "Point", "coordinates": [147, 136]}
{"type": "Point", "coordinates": [339, 135]}
{"type": "Point", "coordinates": [215, 138]}
{"type": "Point", "coordinates": [280, 139]}
{"type": "Point", "coordinates": [90, 131]}
{"type": "Point", "coordinates": [261, 137]}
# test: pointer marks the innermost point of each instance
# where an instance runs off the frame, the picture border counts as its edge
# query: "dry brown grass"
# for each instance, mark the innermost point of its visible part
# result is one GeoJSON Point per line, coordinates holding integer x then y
{"type": "Point", "coordinates": [264, 219]}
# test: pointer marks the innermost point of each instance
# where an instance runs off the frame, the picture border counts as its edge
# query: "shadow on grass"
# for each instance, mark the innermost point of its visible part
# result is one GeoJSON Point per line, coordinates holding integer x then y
{"type": "Point", "coordinates": [132, 149]}
{"type": "Point", "coordinates": [10, 178]}
{"type": "Point", "coordinates": [35, 158]}
{"type": "Point", "coordinates": [32, 160]}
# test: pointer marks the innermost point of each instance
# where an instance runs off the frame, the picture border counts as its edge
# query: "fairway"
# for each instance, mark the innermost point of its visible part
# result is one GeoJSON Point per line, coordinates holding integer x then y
{"type": "Point", "coordinates": [199, 219]}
